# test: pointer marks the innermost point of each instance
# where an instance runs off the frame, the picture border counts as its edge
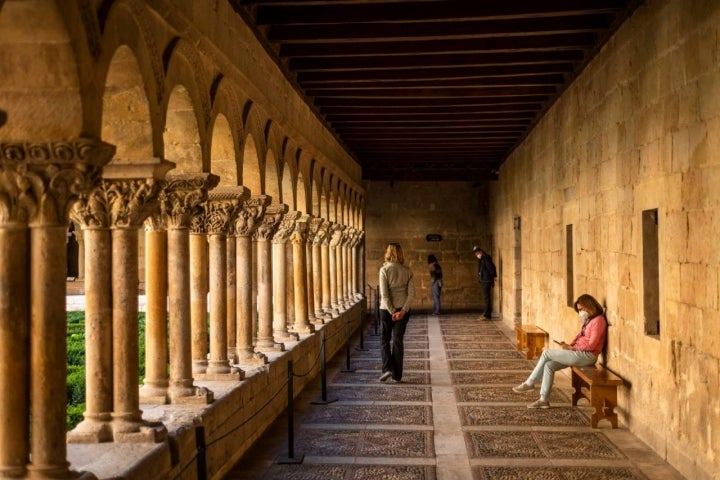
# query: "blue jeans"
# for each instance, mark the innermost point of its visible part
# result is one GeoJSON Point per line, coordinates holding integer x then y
{"type": "Point", "coordinates": [392, 347]}
{"type": "Point", "coordinates": [556, 359]}
{"type": "Point", "coordinates": [435, 289]}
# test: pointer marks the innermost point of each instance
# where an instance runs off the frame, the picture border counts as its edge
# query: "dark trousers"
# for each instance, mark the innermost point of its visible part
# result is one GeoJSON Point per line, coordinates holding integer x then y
{"type": "Point", "coordinates": [486, 288]}
{"type": "Point", "coordinates": [392, 345]}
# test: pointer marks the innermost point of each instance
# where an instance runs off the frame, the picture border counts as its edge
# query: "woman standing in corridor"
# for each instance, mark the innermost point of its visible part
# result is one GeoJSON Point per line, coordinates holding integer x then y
{"type": "Point", "coordinates": [396, 294]}
{"type": "Point", "coordinates": [435, 283]}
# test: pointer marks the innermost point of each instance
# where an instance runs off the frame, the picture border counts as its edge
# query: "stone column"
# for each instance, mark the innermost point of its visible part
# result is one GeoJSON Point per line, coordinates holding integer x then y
{"type": "Point", "coordinates": [38, 184]}
{"type": "Point", "coordinates": [361, 263]}
{"type": "Point", "coordinates": [319, 263]}
{"type": "Point", "coordinates": [263, 235]}
{"type": "Point", "coordinates": [335, 262]}
{"type": "Point", "coordinates": [179, 201]}
{"type": "Point", "coordinates": [231, 293]}
{"type": "Point", "coordinates": [91, 214]}
{"type": "Point", "coordinates": [325, 268]}
{"type": "Point", "coordinates": [246, 223]}
{"type": "Point", "coordinates": [199, 288]}
{"type": "Point", "coordinates": [279, 278]}
{"type": "Point", "coordinates": [358, 281]}
{"type": "Point", "coordinates": [298, 239]}
{"type": "Point", "coordinates": [81, 254]}
{"type": "Point", "coordinates": [129, 192]}
{"type": "Point", "coordinates": [155, 386]}
{"type": "Point", "coordinates": [313, 225]}
{"type": "Point", "coordinates": [343, 290]}
{"type": "Point", "coordinates": [220, 211]}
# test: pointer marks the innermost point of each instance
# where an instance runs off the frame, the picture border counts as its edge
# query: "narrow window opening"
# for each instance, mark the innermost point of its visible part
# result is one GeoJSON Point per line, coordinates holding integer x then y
{"type": "Point", "coordinates": [651, 269]}
{"type": "Point", "coordinates": [569, 270]}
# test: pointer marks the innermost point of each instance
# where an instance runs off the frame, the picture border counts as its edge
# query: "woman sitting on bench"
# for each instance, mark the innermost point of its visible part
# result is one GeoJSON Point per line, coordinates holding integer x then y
{"type": "Point", "coordinates": [582, 351]}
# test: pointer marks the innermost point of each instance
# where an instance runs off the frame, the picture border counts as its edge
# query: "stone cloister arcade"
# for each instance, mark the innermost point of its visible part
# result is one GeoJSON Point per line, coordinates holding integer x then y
{"type": "Point", "coordinates": [225, 199]}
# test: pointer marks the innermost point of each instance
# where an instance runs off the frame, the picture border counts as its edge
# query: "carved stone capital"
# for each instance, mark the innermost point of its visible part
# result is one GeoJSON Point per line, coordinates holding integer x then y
{"type": "Point", "coordinates": [39, 182]}
{"type": "Point", "coordinates": [286, 227]}
{"type": "Point", "coordinates": [181, 196]}
{"type": "Point", "coordinates": [300, 234]}
{"type": "Point", "coordinates": [336, 234]}
{"type": "Point", "coordinates": [222, 206]}
{"type": "Point", "coordinates": [359, 235]}
{"type": "Point", "coordinates": [249, 215]}
{"type": "Point", "coordinates": [322, 233]}
{"type": "Point", "coordinates": [270, 221]}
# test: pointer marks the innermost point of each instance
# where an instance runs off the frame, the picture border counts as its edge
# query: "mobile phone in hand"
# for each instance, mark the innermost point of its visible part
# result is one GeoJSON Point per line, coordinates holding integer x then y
{"type": "Point", "coordinates": [557, 342]}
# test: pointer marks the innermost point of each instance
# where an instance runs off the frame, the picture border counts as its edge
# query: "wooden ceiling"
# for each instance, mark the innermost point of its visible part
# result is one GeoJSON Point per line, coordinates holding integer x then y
{"type": "Point", "coordinates": [426, 90]}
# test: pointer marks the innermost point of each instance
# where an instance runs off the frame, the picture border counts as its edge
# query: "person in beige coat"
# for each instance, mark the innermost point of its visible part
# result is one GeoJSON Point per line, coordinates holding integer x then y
{"type": "Point", "coordinates": [396, 294]}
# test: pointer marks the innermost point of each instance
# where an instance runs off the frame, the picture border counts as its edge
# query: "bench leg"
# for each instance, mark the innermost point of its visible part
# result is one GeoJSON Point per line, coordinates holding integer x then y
{"type": "Point", "coordinates": [604, 399]}
{"type": "Point", "coordinates": [577, 386]}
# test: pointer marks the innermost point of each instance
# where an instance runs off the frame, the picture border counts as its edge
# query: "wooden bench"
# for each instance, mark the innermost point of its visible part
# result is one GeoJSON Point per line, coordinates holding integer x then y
{"type": "Point", "coordinates": [531, 337]}
{"type": "Point", "coordinates": [599, 386]}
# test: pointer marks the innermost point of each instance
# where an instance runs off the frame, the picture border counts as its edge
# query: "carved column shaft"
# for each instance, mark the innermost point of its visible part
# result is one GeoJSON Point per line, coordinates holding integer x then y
{"type": "Point", "coordinates": [198, 301]}
{"type": "Point", "coordinates": [155, 386]}
{"type": "Point", "coordinates": [280, 277]}
{"type": "Point", "coordinates": [231, 298]}
{"type": "Point", "coordinates": [266, 230]}
{"type": "Point", "coordinates": [126, 401]}
{"type": "Point", "coordinates": [14, 348]}
{"type": "Point", "coordinates": [298, 238]}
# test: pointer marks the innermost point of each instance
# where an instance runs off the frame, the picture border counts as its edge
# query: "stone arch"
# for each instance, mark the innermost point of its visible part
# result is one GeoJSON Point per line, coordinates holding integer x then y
{"type": "Point", "coordinates": [45, 106]}
{"type": "Point", "coordinates": [251, 172]}
{"type": "Point", "coordinates": [181, 137]}
{"type": "Point", "coordinates": [187, 111]}
{"type": "Point", "coordinates": [126, 111]}
{"type": "Point", "coordinates": [303, 187]}
{"type": "Point", "coordinates": [128, 27]}
{"type": "Point", "coordinates": [225, 133]}
{"type": "Point", "coordinates": [273, 164]}
{"type": "Point", "coordinates": [222, 151]}
{"type": "Point", "coordinates": [272, 177]}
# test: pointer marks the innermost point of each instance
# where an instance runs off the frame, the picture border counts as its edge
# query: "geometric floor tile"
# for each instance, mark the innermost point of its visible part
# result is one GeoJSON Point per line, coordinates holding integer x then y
{"type": "Point", "coordinates": [370, 414]}
{"type": "Point", "coordinates": [367, 378]}
{"type": "Point", "coordinates": [366, 443]}
{"type": "Point", "coordinates": [308, 471]}
{"type": "Point", "coordinates": [495, 393]}
{"type": "Point", "coordinates": [491, 365]}
{"type": "Point", "coordinates": [480, 354]}
{"type": "Point", "coordinates": [376, 364]}
{"type": "Point", "coordinates": [489, 378]}
{"type": "Point", "coordinates": [539, 444]}
{"type": "Point", "coordinates": [556, 473]}
{"type": "Point", "coordinates": [522, 416]}
{"type": "Point", "coordinates": [385, 393]}
{"type": "Point", "coordinates": [477, 346]}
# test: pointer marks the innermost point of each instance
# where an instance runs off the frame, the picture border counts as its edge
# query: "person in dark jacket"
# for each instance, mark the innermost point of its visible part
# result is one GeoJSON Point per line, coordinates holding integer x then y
{"type": "Point", "coordinates": [486, 277]}
{"type": "Point", "coordinates": [435, 283]}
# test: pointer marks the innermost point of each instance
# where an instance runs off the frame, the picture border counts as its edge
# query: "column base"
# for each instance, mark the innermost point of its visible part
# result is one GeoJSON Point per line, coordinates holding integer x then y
{"type": "Point", "coordinates": [235, 375]}
{"type": "Point", "coordinates": [253, 358]}
{"type": "Point", "coordinates": [90, 431]}
{"type": "Point", "coordinates": [232, 355]}
{"type": "Point", "coordinates": [306, 328]}
{"type": "Point", "coordinates": [132, 432]}
{"type": "Point", "coordinates": [191, 396]}
{"type": "Point", "coordinates": [199, 365]}
{"type": "Point", "coordinates": [154, 395]}
{"type": "Point", "coordinates": [56, 473]}
{"type": "Point", "coordinates": [272, 347]}
{"type": "Point", "coordinates": [282, 337]}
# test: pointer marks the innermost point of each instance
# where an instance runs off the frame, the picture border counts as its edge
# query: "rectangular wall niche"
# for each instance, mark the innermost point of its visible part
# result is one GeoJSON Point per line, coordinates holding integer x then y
{"type": "Point", "coordinates": [569, 270]}
{"type": "Point", "coordinates": [651, 269]}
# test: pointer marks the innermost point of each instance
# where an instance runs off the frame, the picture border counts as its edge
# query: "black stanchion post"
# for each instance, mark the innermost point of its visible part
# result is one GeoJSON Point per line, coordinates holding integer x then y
{"type": "Point", "coordinates": [362, 333]}
{"type": "Point", "coordinates": [347, 368]}
{"type": "Point", "coordinates": [201, 461]}
{"type": "Point", "coordinates": [376, 309]}
{"type": "Point", "coordinates": [323, 374]}
{"type": "Point", "coordinates": [290, 459]}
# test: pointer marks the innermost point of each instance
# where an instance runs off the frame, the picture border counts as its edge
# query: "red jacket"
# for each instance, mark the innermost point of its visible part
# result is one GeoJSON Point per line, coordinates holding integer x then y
{"type": "Point", "coordinates": [592, 336]}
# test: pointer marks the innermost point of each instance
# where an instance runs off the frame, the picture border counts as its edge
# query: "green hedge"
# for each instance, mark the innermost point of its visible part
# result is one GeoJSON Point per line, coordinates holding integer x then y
{"type": "Point", "coordinates": [76, 364]}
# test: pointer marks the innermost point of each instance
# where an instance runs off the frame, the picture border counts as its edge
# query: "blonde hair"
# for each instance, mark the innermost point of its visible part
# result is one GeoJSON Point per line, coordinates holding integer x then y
{"type": "Point", "coordinates": [394, 253]}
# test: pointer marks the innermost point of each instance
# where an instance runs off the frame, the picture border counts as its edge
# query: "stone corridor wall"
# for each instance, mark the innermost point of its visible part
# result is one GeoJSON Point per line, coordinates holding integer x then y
{"type": "Point", "coordinates": [638, 130]}
{"type": "Point", "coordinates": [406, 212]}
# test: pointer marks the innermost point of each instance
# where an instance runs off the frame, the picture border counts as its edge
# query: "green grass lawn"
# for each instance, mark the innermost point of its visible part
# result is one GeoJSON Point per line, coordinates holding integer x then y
{"type": "Point", "coordinates": [76, 364]}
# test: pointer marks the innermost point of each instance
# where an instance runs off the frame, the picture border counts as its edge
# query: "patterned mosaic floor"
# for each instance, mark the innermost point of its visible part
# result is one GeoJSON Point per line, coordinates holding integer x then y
{"type": "Point", "coordinates": [453, 417]}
